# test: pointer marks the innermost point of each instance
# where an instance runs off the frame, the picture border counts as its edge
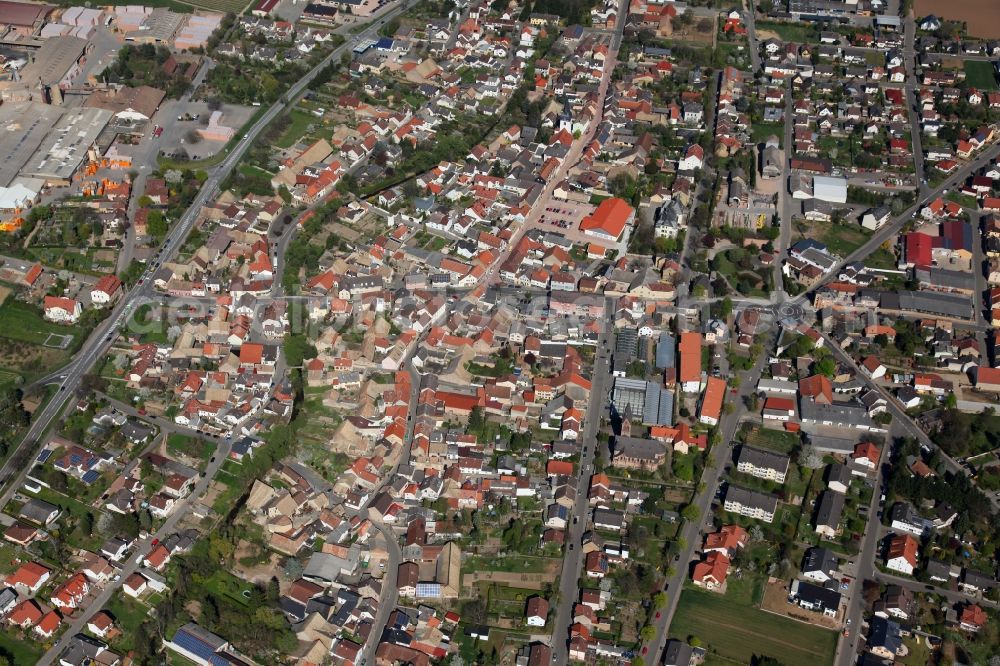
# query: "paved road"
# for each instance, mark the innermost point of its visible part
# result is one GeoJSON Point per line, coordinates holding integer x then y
{"type": "Point", "coordinates": [145, 160]}
{"type": "Point", "coordinates": [901, 421]}
{"type": "Point", "coordinates": [572, 157]}
{"type": "Point", "coordinates": [911, 87]}
{"type": "Point", "coordinates": [132, 565]}
{"type": "Point", "coordinates": [692, 531]}
{"type": "Point", "coordinates": [787, 205]}
{"type": "Point", "coordinates": [846, 652]}
{"type": "Point", "coordinates": [569, 590]}
{"type": "Point", "coordinates": [750, 18]}
{"type": "Point", "coordinates": [953, 596]}
{"type": "Point", "coordinates": [984, 158]}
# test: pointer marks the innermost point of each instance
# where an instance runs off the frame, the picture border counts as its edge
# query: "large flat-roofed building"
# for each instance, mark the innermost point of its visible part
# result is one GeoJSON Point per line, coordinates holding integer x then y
{"type": "Point", "coordinates": [65, 148]}
{"type": "Point", "coordinates": [23, 17]}
{"type": "Point", "coordinates": [56, 62]}
{"type": "Point", "coordinates": [128, 104]}
{"type": "Point", "coordinates": [23, 127]}
{"type": "Point", "coordinates": [829, 188]}
{"type": "Point", "coordinates": [159, 27]}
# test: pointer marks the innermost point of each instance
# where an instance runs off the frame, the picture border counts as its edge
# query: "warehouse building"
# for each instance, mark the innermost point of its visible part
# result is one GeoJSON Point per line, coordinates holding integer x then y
{"type": "Point", "coordinates": [67, 145]}
{"type": "Point", "coordinates": [57, 61]}
{"type": "Point", "coordinates": [828, 188]}
{"type": "Point", "coordinates": [22, 17]}
{"type": "Point", "coordinates": [23, 127]}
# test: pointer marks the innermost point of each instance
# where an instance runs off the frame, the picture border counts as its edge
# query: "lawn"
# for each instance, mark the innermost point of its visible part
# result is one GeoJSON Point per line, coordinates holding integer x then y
{"type": "Point", "coordinates": [299, 122]}
{"type": "Point", "coordinates": [737, 631]}
{"type": "Point", "coordinates": [128, 614]}
{"type": "Point", "coordinates": [193, 447]}
{"type": "Point", "coordinates": [227, 498]}
{"type": "Point", "coordinates": [761, 132]}
{"type": "Point", "coordinates": [234, 6]}
{"type": "Point", "coordinates": [979, 74]}
{"type": "Point", "coordinates": [8, 376]}
{"type": "Point", "coordinates": [964, 200]}
{"type": "Point", "coordinates": [881, 258]}
{"type": "Point", "coordinates": [19, 653]}
{"type": "Point", "coordinates": [224, 584]}
{"type": "Point", "coordinates": [516, 564]}
{"type": "Point", "coordinates": [840, 239]}
{"type": "Point", "coordinates": [775, 440]}
{"type": "Point", "coordinates": [22, 322]}
{"type": "Point", "coordinates": [788, 32]}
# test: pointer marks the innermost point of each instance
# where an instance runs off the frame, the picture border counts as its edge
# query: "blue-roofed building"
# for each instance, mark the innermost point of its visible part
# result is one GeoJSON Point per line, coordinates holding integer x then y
{"type": "Point", "coordinates": [658, 407]}
{"type": "Point", "coordinates": [428, 590]}
{"type": "Point", "coordinates": [44, 454]}
{"type": "Point", "coordinates": [666, 352]}
{"type": "Point", "coordinates": [884, 638]}
{"type": "Point", "coordinates": [90, 476]}
{"type": "Point", "coordinates": [390, 45]}
{"type": "Point", "coordinates": [197, 644]}
{"type": "Point", "coordinates": [243, 448]}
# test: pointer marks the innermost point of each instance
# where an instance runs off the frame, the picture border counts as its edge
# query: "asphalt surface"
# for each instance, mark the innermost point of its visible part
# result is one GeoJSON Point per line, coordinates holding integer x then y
{"type": "Point", "coordinates": [893, 227]}
{"type": "Point", "coordinates": [846, 652]}
{"type": "Point", "coordinates": [692, 531]}
{"type": "Point", "coordinates": [133, 564]}
{"type": "Point", "coordinates": [569, 589]}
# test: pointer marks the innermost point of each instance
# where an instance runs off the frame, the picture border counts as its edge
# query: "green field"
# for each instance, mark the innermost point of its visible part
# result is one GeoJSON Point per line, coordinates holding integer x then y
{"type": "Point", "coordinates": [193, 447]}
{"type": "Point", "coordinates": [24, 323]}
{"type": "Point", "coordinates": [128, 614]}
{"type": "Point", "coordinates": [298, 122]}
{"type": "Point", "coordinates": [224, 584]}
{"type": "Point", "coordinates": [788, 32]}
{"type": "Point", "coordinates": [840, 239]}
{"type": "Point", "coordinates": [979, 74]}
{"type": "Point", "coordinates": [234, 6]}
{"type": "Point", "coordinates": [18, 653]}
{"type": "Point", "coordinates": [775, 440]}
{"type": "Point", "coordinates": [736, 632]}
{"type": "Point", "coordinates": [8, 376]}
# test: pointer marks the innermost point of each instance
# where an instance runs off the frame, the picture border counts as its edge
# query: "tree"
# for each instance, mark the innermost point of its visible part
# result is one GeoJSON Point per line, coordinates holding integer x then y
{"type": "Point", "coordinates": [273, 590]}
{"type": "Point", "coordinates": [690, 512]}
{"type": "Point", "coordinates": [298, 349]}
{"type": "Point", "coordinates": [476, 419]}
{"type": "Point", "coordinates": [87, 524]}
{"type": "Point", "coordinates": [764, 661]}
{"type": "Point", "coordinates": [145, 520]}
{"type": "Point", "coordinates": [647, 633]}
{"type": "Point", "coordinates": [659, 600]}
{"type": "Point", "coordinates": [156, 224]}
{"type": "Point", "coordinates": [727, 307]}
{"type": "Point", "coordinates": [827, 367]}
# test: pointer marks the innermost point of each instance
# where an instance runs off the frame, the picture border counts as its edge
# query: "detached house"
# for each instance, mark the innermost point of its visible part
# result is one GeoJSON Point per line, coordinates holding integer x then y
{"type": "Point", "coordinates": [901, 554]}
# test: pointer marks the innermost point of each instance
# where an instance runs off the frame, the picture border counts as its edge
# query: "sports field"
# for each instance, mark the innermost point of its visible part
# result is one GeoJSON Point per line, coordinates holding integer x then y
{"type": "Point", "coordinates": [737, 632]}
{"type": "Point", "coordinates": [980, 74]}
